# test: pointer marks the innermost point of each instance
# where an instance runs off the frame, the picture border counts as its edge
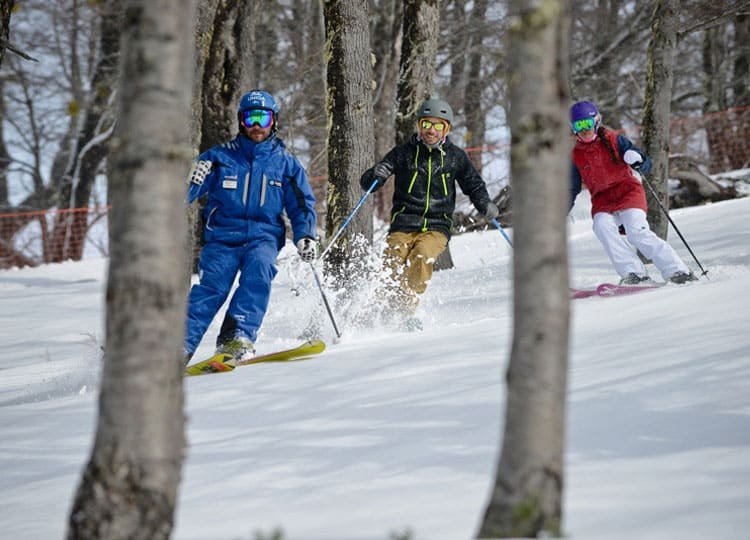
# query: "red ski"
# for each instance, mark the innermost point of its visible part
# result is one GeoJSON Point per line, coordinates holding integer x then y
{"type": "Point", "coordinates": [610, 289]}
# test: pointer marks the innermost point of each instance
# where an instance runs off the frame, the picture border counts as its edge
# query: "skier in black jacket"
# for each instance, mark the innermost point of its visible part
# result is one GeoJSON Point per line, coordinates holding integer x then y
{"type": "Point", "coordinates": [425, 170]}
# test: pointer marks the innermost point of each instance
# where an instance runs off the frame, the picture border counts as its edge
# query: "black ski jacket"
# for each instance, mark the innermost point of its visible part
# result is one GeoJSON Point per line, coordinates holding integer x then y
{"type": "Point", "coordinates": [418, 171]}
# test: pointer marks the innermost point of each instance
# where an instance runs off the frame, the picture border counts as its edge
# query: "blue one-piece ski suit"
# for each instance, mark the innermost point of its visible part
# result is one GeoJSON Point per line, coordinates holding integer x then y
{"type": "Point", "coordinates": [249, 187]}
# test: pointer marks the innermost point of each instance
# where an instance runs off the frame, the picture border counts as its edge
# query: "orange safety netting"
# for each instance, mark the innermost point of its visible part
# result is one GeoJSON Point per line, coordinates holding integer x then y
{"type": "Point", "coordinates": [717, 141]}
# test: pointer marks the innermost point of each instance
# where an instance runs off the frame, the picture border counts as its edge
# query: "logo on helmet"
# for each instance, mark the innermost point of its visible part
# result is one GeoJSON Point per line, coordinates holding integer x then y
{"type": "Point", "coordinates": [258, 99]}
{"type": "Point", "coordinates": [583, 109]}
{"type": "Point", "coordinates": [584, 117]}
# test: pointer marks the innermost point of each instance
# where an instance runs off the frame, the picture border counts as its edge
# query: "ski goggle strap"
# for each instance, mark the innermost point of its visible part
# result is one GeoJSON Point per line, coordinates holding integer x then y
{"type": "Point", "coordinates": [262, 117]}
{"type": "Point", "coordinates": [584, 124]}
{"type": "Point", "coordinates": [439, 126]}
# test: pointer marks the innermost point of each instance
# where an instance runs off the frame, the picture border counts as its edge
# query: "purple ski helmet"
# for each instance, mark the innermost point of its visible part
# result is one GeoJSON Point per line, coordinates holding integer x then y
{"type": "Point", "coordinates": [583, 109]}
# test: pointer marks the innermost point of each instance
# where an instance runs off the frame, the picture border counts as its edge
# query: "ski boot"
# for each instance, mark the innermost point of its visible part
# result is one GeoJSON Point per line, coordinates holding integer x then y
{"type": "Point", "coordinates": [634, 279]}
{"type": "Point", "coordinates": [239, 348]}
{"type": "Point", "coordinates": [682, 277]}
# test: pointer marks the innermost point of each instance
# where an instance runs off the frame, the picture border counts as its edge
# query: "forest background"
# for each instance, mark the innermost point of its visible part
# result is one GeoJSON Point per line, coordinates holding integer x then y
{"type": "Point", "coordinates": [131, 88]}
{"type": "Point", "coordinates": [58, 106]}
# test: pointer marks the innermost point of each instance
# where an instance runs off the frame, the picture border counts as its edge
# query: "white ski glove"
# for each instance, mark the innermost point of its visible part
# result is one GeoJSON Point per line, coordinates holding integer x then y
{"type": "Point", "coordinates": [199, 171]}
{"type": "Point", "coordinates": [633, 158]}
{"type": "Point", "coordinates": [307, 248]}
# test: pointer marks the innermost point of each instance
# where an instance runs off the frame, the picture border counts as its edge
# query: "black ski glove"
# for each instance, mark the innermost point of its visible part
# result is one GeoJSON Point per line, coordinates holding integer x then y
{"type": "Point", "coordinates": [381, 172]}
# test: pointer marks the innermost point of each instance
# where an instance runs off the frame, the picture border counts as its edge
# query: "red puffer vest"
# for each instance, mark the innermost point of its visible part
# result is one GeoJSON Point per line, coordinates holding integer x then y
{"type": "Point", "coordinates": [613, 186]}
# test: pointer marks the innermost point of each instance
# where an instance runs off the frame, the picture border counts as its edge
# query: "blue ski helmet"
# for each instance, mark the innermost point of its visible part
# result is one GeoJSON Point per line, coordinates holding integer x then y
{"type": "Point", "coordinates": [583, 109]}
{"type": "Point", "coordinates": [258, 99]}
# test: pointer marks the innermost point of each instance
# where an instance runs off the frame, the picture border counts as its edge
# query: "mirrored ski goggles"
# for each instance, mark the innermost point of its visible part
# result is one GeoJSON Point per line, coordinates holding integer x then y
{"type": "Point", "coordinates": [262, 117]}
{"type": "Point", "coordinates": [584, 124]}
{"type": "Point", "coordinates": [439, 126]}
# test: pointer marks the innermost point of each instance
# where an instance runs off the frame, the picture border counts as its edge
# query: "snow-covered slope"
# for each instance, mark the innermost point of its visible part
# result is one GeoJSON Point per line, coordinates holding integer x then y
{"type": "Point", "coordinates": [387, 431]}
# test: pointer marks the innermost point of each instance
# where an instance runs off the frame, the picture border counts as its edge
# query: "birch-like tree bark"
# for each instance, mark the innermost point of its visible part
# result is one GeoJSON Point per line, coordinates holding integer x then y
{"type": "Point", "coordinates": [129, 486]}
{"type": "Point", "coordinates": [350, 134]}
{"type": "Point", "coordinates": [91, 140]}
{"type": "Point", "coordinates": [657, 109]}
{"type": "Point", "coordinates": [527, 496]}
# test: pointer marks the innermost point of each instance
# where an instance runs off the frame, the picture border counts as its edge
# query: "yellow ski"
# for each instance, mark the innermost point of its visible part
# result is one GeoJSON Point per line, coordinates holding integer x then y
{"type": "Point", "coordinates": [220, 363]}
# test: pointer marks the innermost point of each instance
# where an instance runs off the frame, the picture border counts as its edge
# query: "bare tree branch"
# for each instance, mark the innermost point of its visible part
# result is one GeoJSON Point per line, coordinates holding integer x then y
{"type": "Point", "coordinates": [9, 47]}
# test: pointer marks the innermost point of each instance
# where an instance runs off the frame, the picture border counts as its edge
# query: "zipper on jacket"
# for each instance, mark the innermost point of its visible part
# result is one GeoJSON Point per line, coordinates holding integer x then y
{"type": "Point", "coordinates": [427, 196]}
{"type": "Point", "coordinates": [442, 175]}
{"type": "Point", "coordinates": [263, 191]}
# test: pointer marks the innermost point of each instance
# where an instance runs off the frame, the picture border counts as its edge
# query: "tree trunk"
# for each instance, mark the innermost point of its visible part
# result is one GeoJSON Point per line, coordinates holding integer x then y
{"type": "Point", "coordinates": [417, 67]}
{"type": "Point", "coordinates": [714, 62]}
{"type": "Point", "coordinates": [458, 49]}
{"type": "Point", "coordinates": [313, 109]}
{"type": "Point", "coordinates": [475, 122]}
{"type": "Point", "coordinates": [387, 53]}
{"type": "Point", "coordinates": [657, 109]}
{"type": "Point", "coordinates": [605, 77]}
{"type": "Point", "coordinates": [129, 486]}
{"type": "Point", "coordinates": [221, 78]}
{"type": "Point", "coordinates": [6, 7]}
{"type": "Point", "coordinates": [4, 160]}
{"type": "Point", "coordinates": [527, 497]}
{"type": "Point", "coordinates": [741, 73]}
{"type": "Point", "coordinates": [741, 86]}
{"type": "Point", "coordinates": [349, 109]}
{"type": "Point", "coordinates": [91, 143]}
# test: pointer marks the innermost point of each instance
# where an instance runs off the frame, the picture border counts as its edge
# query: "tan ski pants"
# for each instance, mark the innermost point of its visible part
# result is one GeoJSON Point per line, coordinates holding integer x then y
{"type": "Point", "coordinates": [410, 258]}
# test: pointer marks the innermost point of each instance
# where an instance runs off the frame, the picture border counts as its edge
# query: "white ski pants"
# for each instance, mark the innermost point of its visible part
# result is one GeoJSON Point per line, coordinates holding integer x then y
{"type": "Point", "coordinates": [638, 234]}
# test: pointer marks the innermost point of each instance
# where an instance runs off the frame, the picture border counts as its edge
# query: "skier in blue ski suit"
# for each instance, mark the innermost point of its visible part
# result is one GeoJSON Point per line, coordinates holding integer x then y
{"type": "Point", "coordinates": [249, 182]}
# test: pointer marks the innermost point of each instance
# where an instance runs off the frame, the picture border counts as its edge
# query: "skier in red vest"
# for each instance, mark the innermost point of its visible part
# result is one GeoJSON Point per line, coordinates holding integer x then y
{"type": "Point", "coordinates": [609, 165]}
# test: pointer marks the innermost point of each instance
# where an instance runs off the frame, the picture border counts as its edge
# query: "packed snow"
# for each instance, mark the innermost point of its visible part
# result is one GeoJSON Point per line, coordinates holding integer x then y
{"type": "Point", "coordinates": [392, 433]}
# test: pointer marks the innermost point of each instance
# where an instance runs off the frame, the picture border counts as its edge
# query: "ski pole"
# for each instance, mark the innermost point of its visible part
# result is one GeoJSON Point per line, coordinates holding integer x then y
{"type": "Point", "coordinates": [666, 213]}
{"type": "Point", "coordinates": [348, 219]}
{"type": "Point", "coordinates": [325, 300]}
{"type": "Point", "coordinates": [496, 223]}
